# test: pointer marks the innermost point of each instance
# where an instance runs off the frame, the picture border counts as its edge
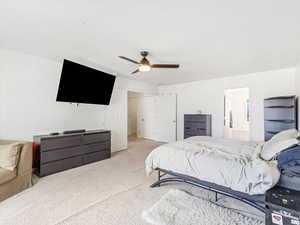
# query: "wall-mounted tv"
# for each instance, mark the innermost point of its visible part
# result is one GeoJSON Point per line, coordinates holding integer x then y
{"type": "Point", "coordinates": [81, 84]}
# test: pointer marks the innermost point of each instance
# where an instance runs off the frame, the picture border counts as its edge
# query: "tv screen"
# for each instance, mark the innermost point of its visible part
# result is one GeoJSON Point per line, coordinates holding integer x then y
{"type": "Point", "coordinates": [81, 84]}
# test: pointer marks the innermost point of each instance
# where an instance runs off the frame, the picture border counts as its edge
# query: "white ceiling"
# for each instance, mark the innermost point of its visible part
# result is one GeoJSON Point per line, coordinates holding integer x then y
{"type": "Point", "coordinates": [209, 39]}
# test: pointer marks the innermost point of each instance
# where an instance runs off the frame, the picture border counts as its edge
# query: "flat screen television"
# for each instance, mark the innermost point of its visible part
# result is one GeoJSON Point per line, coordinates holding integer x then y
{"type": "Point", "coordinates": [81, 84]}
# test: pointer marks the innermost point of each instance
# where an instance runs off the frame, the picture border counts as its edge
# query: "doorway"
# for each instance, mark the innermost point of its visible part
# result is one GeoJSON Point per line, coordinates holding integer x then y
{"type": "Point", "coordinates": [152, 117]}
{"type": "Point", "coordinates": [133, 103]}
{"type": "Point", "coordinates": [237, 114]}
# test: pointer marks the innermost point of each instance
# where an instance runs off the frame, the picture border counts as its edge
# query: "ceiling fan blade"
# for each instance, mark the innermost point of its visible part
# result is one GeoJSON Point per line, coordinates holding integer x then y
{"type": "Point", "coordinates": [136, 71]}
{"type": "Point", "coordinates": [130, 60]}
{"type": "Point", "coordinates": [165, 66]}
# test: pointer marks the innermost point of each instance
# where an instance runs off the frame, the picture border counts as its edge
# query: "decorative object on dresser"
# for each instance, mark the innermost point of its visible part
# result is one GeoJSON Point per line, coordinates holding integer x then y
{"type": "Point", "coordinates": [197, 125]}
{"type": "Point", "coordinates": [60, 152]}
{"type": "Point", "coordinates": [281, 113]}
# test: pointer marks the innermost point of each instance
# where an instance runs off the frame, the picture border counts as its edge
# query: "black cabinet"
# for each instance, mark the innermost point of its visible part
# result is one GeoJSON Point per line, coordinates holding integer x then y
{"type": "Point", "coordinates": [281, 113]}
{"type": "Point", "coordinates": [283, 206]}
{"type": "Point", "coordinates": [197, 125]}
{"type": "Point", "coordinates": [56, 153]}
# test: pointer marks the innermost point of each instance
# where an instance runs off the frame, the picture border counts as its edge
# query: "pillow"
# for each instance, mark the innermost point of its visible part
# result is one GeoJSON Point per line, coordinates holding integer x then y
{"type": "Point", "coordinates": [286, 134]}
{"type": "Point", "coordinates": [289, 158]}
{"type": "Point", "coordinates": [9, 155]}
{"type": "Point", "coordinates": [272, 147]}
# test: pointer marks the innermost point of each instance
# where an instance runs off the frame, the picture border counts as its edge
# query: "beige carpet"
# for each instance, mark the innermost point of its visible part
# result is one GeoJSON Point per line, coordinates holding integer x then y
{"type": "Point", "coordinates": [110, 192]}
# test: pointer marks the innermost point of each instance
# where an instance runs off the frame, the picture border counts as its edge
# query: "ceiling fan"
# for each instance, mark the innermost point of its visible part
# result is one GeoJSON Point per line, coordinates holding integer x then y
{"type": "Point", "coordinates": [144, 65]}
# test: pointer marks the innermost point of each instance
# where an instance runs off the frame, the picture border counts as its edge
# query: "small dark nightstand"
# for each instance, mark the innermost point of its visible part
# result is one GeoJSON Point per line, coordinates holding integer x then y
{"type": "Point", "coordinates": [283, 205]}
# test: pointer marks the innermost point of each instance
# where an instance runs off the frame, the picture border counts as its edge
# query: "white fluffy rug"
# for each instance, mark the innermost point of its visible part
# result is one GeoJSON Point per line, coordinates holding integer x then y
{"type": "Point", "coordinates": [180, 208]}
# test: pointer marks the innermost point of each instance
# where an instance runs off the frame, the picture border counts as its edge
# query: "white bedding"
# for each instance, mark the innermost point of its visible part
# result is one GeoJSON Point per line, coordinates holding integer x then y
{"type": "Point", "coordinates": [230, 163]}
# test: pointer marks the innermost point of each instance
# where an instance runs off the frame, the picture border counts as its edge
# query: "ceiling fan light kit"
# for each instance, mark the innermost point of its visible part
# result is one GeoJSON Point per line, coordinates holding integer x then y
{"type": "Point", "coordinates": [145, 66]}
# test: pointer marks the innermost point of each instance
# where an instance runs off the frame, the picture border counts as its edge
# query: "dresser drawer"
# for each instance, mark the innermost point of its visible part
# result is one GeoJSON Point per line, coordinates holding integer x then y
{"type": "Point", "coordinates": [61, 165]}
{"type": "Point", "coordinates": [268, 136]}
{"type": "Point", "coordinates": [280, 114]}
{"type": "Point", "coordinates": [197, 132]}
{"type": "Point", "coordinates": [279, 102]}
{"type": "Point", "coordinates": [278, 126]}
{"type": "Point", "coordinates": [197, 124]}
{"type": "Point", "coordinates": [202, 133]}
{"type": "Point", "coordinates": [188, 136]}
{"type": "Point", "coordinates": [59, 142]}
{"type": "Point", "coordinates": [93, 138]}
{"type": "Point", "coordinates": [59, 154]}
{"type": "Point", "coordinates": [96, 147]}
{"type": "Point", "coordinates": [194, 130]}
{"type": "Point", "coordinates": [194, 118]}
{"type": "Point", "coordinates": [96, 156]}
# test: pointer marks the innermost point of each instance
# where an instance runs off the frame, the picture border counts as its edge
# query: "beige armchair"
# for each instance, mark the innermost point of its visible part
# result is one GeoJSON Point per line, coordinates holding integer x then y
{"type": "Point", "coordinates": [13, 182]}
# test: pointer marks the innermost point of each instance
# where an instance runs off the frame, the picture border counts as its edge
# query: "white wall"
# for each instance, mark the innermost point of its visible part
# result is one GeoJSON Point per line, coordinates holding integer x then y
{"type": "Point", "coordinates": [28, 87]}
{"type": "Point", "coordinates": [208, 96]}
{"type": "Point", "coordinates": [28, 101]}
{"type": "Point", "coordinates": [132, 115]}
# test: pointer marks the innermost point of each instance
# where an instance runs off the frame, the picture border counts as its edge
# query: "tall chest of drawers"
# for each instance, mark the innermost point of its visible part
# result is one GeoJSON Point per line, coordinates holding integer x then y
{"type": "Point", "coordinates": [56, 153]}
{"type": "Point", "coordinates": [197, 125]}
{"type": "Point", "coordinates": [281, 113]}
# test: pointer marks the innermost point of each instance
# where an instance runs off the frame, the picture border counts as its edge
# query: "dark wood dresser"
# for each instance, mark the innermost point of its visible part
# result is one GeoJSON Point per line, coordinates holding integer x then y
{"type": "Point", "coordinates": [281, 113]}
{"type": "Point", "coordinates": [197, 125]}
{"type": "Point", "coordinates": [56, 153]}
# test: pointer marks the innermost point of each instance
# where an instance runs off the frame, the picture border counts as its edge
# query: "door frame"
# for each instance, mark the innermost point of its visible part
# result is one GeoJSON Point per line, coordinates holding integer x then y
{"type": "Point", "coordinates": [144, 94]}
{"type": "Point", "coordinates": [248, 113]}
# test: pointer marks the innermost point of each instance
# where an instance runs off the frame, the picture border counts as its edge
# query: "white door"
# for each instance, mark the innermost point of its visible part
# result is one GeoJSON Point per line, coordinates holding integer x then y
{"type": "Point", "coordinates": [167, 117]}
{"type": "Point", "coordinates": [157, 117]}
{"type": "Point", "coordinates": [140, 118]}
{"type": "Point", "coordinates": [146, 121]}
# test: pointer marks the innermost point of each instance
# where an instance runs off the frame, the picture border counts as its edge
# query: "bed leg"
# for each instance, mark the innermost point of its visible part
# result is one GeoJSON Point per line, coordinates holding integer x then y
{"type": "Point", "coordinates": [158, 177]}
{"type": "Point", "coordinates": [216, 196]}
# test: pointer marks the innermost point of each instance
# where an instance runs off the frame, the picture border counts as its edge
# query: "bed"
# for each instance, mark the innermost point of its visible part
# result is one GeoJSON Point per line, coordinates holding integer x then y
{"type": "Point", "coordinates": [229, 167]}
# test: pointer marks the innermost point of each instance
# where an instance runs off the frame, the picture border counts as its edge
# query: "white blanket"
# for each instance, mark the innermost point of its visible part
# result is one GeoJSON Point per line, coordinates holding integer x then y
{"type": "Point", "coordinates": [233, 164]}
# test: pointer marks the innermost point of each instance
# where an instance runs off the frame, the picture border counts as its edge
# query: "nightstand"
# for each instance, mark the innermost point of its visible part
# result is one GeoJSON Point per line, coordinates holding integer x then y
{"type": "Point", "coordinates": [283, 205]}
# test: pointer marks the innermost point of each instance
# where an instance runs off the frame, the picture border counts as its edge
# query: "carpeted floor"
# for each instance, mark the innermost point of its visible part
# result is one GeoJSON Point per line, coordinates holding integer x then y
{"type": "Point", "coordinates": [111, 192]}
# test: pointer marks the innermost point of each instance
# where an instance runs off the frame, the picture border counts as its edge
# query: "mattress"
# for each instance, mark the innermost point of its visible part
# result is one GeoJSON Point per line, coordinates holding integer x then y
{"type": "Point", "coordinates": [230, 163]}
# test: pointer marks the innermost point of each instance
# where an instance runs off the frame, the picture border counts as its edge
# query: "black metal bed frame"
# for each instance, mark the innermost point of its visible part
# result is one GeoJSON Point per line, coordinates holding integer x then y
{"type": "Point", "coordinates": [175, 177]}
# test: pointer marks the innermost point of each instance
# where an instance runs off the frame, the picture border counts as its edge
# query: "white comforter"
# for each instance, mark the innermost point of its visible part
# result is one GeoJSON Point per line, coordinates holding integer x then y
{"type": "Point", "coordinates": [234, 164]}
